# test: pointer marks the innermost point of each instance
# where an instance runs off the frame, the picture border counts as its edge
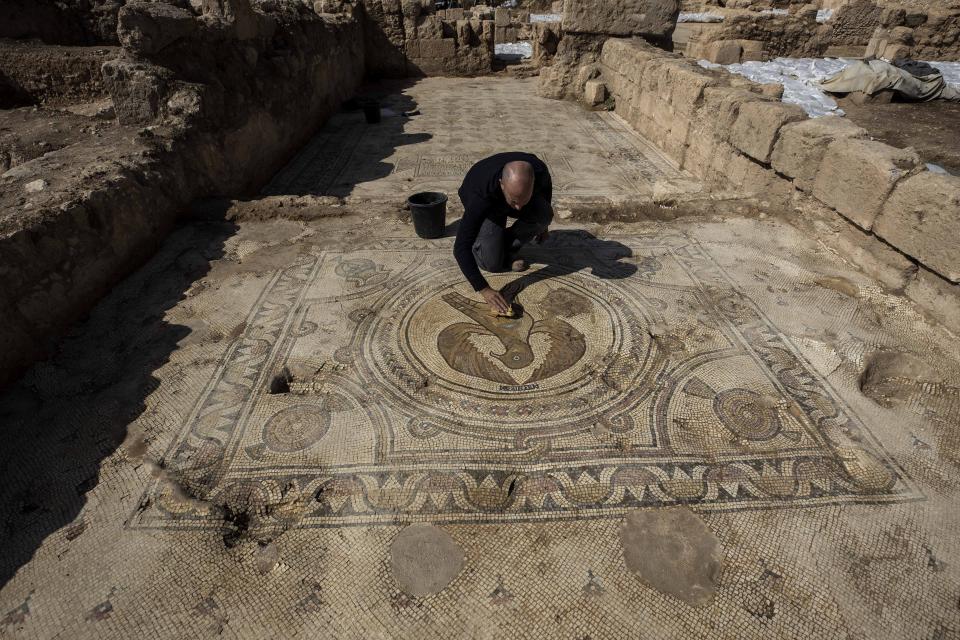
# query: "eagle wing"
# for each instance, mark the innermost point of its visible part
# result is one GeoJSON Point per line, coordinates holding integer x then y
{"type": "Point", "coordinates": [567, 346]}
{"type": "Point", "coordinates": [462, 355]}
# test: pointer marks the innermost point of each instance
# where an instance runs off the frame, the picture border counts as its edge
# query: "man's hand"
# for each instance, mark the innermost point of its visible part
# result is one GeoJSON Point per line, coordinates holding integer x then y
{"type": "Point", "coordinates": [495, 299]}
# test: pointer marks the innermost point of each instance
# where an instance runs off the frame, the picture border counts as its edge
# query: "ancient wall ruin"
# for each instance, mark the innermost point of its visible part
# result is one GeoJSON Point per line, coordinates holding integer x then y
{"type": "Point", "coordinates": [727, 130]}
{"type": "Point", "coordinates": [857, 28]}
{"type": "Point", "coordinates": [586, 25]}
{"type": "Point", "coordinates": [208, 102]}
{"type": "Point", "coordinates": [408, 39]}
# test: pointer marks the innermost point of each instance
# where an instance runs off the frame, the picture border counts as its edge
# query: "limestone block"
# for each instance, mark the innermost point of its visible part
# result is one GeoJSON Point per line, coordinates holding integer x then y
{"type": "Point", "coordinates": [654, 76]}
{"type": "Point", "coordinates": [938, 297]}
{"type": "Point", "coordinates": [147, 27]}
{"type": "Point", "coordinates": [550, 83]}
{"type": "Point", "coordinates": [584, 73]}
{"type": "Point", "coordinates": [686, 83]}
{"type": "Point", "coordinates": [801, 146]}
{"type": "Point", "coordinates": [440, 48]}
{"type": "Point", "coordinates": [455, 14]}
{"type": "Point", "coordinates": [922, 218]}
{"type": "Point", "coordinates": [856, 176]}
{"type": "Point", "coordinates": [721, 106]}
{"type": "Point", "coordinates": [758, 124]}
{"type": "Point", "coordinates": [700, 152]}
{"type": "Point", "coordinates": [752, 50]}
{"type": "Point", "coordinates": [675, 144]}
{"type": "Point", "coordinates": [594, 92]}
{"type": "Point", "coordinates": [621, 17]}
{"type": "Point", "coordinates": [510, 34]}
{"type": "Point", "coordinates": [502, 16]}
{"type": "Point", "coordinates": [723, 51]}
{"type": "Point", "coordinates": [629, 56]}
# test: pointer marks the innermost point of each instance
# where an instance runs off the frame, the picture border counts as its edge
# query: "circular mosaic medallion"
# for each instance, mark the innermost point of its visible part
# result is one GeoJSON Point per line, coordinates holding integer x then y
{"type": "Point", "coordinates": [578, 351]}
{"type": "Point", "coordinates": [295, 428]}
{"type": "Point", "coordinates": [747, 414]}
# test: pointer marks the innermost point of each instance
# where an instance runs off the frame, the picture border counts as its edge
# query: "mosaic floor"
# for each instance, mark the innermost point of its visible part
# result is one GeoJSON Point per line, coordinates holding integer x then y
{"type": "Point", "coordinates": [285, 429]}
{"type": "Point", "coordinates": [637, 375]}
{"type": "Point", "coordinates": [593, 156]}
{"type": "Point", "coordinates": [704, 428]}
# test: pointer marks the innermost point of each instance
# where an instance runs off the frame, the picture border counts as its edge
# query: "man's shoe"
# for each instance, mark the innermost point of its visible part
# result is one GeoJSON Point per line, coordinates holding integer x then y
{"type": "Point", "coordinates": [518, 265]}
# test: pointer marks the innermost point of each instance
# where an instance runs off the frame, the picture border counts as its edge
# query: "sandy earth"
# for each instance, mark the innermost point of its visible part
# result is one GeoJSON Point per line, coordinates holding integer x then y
{"type": "Point", "coordinates": [308, 427]}
{"type": "Point", "coordinates": [932, 128]}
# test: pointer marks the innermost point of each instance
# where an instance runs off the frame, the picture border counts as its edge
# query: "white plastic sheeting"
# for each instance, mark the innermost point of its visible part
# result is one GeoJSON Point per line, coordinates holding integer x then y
{"type": "Point", "coordinates": [697, 16]}
{"type": "Point", "coordinates": [950, 71]}
{"type": "Point", "coordinates": [823, 15]}
{"type": "Point", "coordinates": [545, 17]}
{"type": "Point", "coordinates": [774, 12]}
{"type": "Point", "coordinates": [798, 77]}
{"type": "Point", "coordinates": [513, 50]}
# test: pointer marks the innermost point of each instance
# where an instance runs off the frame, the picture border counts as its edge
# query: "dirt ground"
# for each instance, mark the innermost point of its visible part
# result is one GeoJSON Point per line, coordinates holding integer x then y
{"type": "Point", "coordinates": [297, 420]}
{"type": "Point", "coordinates": [932, 128]}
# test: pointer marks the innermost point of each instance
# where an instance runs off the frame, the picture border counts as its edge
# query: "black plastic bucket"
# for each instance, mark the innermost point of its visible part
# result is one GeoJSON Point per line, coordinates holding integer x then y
{"type": "Point", "coordinates": [371, 111]}
{"type": "Point", "coordinates": [429, 211]}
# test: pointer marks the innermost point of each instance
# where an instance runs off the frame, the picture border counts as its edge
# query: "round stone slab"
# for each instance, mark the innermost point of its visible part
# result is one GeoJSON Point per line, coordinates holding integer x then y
{"type": "Point", "coordinates": [424, 559]}
{"type": "Point", "coordinates": [673, 551]}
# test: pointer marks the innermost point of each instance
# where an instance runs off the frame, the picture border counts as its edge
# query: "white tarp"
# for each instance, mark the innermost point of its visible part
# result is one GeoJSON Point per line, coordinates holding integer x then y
{"type": "Point", "coordinates": [698, 16]}
{"type": "Point", "coordinates": [545, 17]}
{"type": "Point", "coordinates": [513, 50]}
{"type": "Point", "coordinates": [801, 79]}
{"type": "Point", "coordinates": [798, 77]}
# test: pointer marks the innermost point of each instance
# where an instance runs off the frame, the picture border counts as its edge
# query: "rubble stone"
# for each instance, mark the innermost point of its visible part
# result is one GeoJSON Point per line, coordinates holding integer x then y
{"type": "Point", "coordinates": [594, 92]}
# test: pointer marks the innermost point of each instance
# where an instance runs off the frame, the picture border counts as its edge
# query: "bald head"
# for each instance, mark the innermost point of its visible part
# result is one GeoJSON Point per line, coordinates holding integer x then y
{"type": "Point", "coordinates": [516, 181]}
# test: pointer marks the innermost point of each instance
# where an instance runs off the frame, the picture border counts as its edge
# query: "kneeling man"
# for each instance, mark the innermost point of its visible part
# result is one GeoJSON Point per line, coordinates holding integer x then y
{"type": "Point", "coordinates": [515, 185]}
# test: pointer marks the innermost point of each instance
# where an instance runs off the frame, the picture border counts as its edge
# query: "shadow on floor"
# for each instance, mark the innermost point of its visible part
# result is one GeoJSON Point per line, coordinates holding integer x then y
{"type": "Point", "coordinates": [69, 413]}
{"type": "Point", "coordinates": [349, 150]}
{"type": "Point", "coordinates": [570, 251]}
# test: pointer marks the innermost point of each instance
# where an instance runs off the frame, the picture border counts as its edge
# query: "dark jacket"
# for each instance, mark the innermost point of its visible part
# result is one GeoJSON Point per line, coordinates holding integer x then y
{"type": "Point", "coordinates": [483, 199]}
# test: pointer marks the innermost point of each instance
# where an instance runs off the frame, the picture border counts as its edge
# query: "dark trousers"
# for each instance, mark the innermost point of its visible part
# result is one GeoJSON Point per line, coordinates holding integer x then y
{"type": "Point", "coordinates": [495, 246]}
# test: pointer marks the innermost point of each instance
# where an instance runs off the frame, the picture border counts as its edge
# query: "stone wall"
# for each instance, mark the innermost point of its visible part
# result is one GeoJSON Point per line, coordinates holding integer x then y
{"type": "Point", "coordinates": [408, 39]}
{"type": "Point", "coordinates": [857, 28]}
{"type": "Point", "coordinates": [587, 24]}
{"type": "Point", "coordinates": [209, 103]}
{"type": "Point", "coordinates": [750, 36]}
{"type": "Point", "coordinates": [732, 132]}
{"type": "Point", "coordinates": [920, 34]}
